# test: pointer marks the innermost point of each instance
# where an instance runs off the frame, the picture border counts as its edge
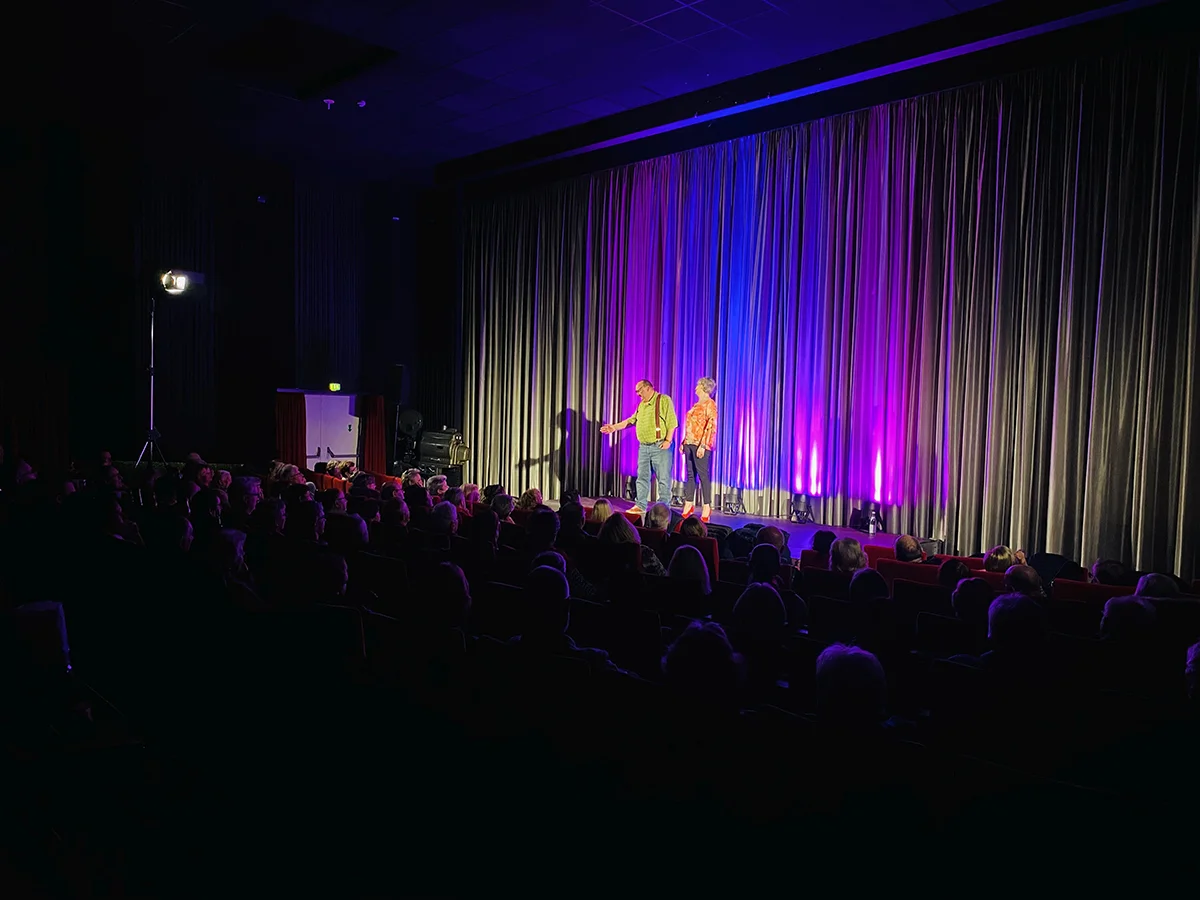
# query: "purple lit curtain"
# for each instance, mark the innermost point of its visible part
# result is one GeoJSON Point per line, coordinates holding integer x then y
{"type": "Point", "coordinates": [979, 307]}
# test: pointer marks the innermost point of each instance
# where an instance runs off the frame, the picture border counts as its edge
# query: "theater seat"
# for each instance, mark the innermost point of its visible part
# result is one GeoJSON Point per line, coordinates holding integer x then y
{"type": "Point", "coordinates": [708, 549]}
{"type": "Point", "coordinates": [656, 540]}
{"type": "Point", "coordinates": [876, 553]}
{"type": "Point", "coordinates": [1096, 594]}
{"type": "Point", "coordinates": [891, 569]}
{"type": "Point", "coordinates": [814, 581]}
{"type": "Point", "coordinates": [995, 579]}
{"type": "Point", "coordinates": [811, 559]}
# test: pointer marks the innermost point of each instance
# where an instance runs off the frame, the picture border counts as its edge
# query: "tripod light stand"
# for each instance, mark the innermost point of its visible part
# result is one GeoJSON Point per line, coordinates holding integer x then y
{"type": "Point", "coordinates": [174, 282]}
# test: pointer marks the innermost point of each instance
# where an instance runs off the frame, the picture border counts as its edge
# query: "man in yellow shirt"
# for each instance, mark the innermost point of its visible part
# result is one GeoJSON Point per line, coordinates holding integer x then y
{"type": "Point", "coordinates": [656, 424]}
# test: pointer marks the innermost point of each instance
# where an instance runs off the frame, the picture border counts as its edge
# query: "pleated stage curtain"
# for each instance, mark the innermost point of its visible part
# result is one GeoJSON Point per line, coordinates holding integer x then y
{"type": "Point", "coordinates": [373, 431]}
{"type": "Point", "coordinates": [979, 307]}
{"type": "Point", "coordinates": [290, 423]}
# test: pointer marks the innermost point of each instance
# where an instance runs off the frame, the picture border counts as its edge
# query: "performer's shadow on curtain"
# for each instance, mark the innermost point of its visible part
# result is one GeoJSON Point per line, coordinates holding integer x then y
{"type": "Point", "coordinates": [574, 456]}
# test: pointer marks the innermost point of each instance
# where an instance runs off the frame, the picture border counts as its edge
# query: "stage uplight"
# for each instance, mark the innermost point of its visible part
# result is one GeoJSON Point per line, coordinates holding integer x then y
{"type": "Point", "coordinates": [801, 511]}
{"type": "Point", "coordinates": [335, 386]}
{"type": "Point", "coordinates": [176, 281]}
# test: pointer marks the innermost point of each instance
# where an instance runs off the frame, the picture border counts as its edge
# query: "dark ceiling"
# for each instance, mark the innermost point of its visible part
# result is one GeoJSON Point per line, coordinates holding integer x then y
{"type": "Point", "coordinates": [415, 84]}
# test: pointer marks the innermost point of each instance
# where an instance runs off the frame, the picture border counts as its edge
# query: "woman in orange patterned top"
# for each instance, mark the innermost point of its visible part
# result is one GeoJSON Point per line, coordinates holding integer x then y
{"type": "Point", "coordinates": [699, 437]}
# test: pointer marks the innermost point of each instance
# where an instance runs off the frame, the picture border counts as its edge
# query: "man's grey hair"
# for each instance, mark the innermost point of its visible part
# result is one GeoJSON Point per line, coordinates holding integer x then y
{"type": "Point", "coordinates": [658, 515]}
{"type": "Point", "coordinates": [443, 519]}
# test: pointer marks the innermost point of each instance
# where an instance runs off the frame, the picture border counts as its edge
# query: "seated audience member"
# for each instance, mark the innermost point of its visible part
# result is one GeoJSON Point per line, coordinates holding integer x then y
{"type": "Point", "coordinates": [364, 486]}
{"type": "Point", "coordinates": [503, 506]}
{"type": "Point", "coordinates": [1110, 571]}
{"type": "Point", "coordinates": [332, 501]}
{"type": "Point", "coordinates": [455, 496]}
{"type": "Point", "coordinates": [298, 493]}
{"type": "Point", "coordinates": [1155, 585]}
{"type": "Point", "coordinates": [1191, 673]}
{"type": "Point", "coordinates": [618, 530]}
{"type": "Point", "coordinates": [389, 490]}
{"type": "Point", "coordinates": [443, 521]}
{"type": "Point", "coordinates": [224, 562]}
{"type": "Point", "coordinates": [971, 600]}
{"type": "Point", "coordinates": [491, 491]}
{"type": "Point", "coordinates": [571, 536]}
{"type": "Point", "coordinates": [541, 531]}
{"type": "Point", "coordinates": [206, 514]}
{"type": "Point", "coordinates": [601, 511]}
{"type": "Point", "coordinates": [850, 689]}
{"type": "Point", "coordinates": [550, 558]}
{"type": "Point", "coordinates": [197, 476]}
{"type": "Point", "coordinates": [530, 500]}
{"type": "Point", "coordinates": [411, 478]}
{"type": "Point", "coordinates": [223, 479]}
{"type": "Point", "coordinates": [485, 535]}
{"type": "Point", "coordinates": [777, 539]}
{"type": "Point", "coordinates": [245, 493]}
{"type": "Point", "coordinates": [1024, 580]}
{"type": "Point", "coordinates": [658, 517]}
{"type": "Point", "coordinates": [765, 568]}
{"type": "Point", "coordinates": [693, 527]}
{"type": "Point", "coordinates": [1128, 619]}
{"type": "Point", "coordinates": [688, 564]}
{"type": "Point", "coordinates": [759, 612]}
{"type": "Point", "coordinates": [305, 523]}
{"type": "Point", "coordinates": [328, 579]}
{"type": "Point", "coordinates": [822, 541]}
{"type": "Point", "coordinates": [437, 487]}
{"type": "Point", "coordinates": [1001, 559]}
{"type": "Point", "coordinates": [110, 477]}
{"type": "Point", "coordinates": [846, 556]}
{"type": "Point", "coordinates": [394, 513]}
{"type": "Point", "coordinates": [1017, 633]}
{"type": "Point", "coordinates": [951, 572]}
{"type": "Point", "coordinates": [548, 598]}
{"type": "Point", "coordinates": [366, 508]}
{"type": "Point", "coordinates": [470, 494]}
{"type": "Point", "coordinates": [868, 586]}
{"type": "Point", "coordinates": [447, 602]}
{"type": "Point", "coordinates": [701, 665]}
{"type": "Point", "coordinates": [908, 549]}
{"type": "Point", "coordinates": [416, 498]}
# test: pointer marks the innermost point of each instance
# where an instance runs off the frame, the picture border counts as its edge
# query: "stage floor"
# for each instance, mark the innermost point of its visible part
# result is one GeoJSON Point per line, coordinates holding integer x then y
{"type": "Point", "coordinates": [799, 536]}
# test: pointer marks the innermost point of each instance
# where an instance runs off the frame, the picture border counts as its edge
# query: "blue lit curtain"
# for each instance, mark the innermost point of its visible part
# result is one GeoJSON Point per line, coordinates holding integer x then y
{"type": "Point", "coordinates": [979, 307]}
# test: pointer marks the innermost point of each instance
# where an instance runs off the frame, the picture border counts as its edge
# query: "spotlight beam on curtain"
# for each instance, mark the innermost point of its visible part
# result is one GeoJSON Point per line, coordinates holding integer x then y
{"type": "Point", "coordinates": [989, 295]}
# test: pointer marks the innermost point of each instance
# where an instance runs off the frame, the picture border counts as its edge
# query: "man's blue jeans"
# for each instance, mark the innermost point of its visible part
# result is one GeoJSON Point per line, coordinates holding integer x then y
{"type": "Point", "coordinates": [653, 460]}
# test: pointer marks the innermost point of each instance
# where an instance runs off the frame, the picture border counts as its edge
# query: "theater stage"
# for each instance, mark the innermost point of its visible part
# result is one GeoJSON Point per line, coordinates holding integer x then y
{"type": "Point", "coordinates": [799, 536]}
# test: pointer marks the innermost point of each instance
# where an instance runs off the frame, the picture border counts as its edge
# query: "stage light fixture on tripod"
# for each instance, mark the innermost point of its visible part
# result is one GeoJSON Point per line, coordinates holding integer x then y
{"type": "Point", "coordinates": [174, 282]}
{"type": "Point", "coordinates": [801, 510]}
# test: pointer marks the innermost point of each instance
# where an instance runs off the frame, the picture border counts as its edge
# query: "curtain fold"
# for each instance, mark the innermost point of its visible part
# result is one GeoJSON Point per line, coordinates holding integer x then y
{"type": "Point", "coordinates": [373, 430]}
{"type": "Point", "coordinates": [977, 307]}
{"type": "Point", "coordinates": [290, 424]}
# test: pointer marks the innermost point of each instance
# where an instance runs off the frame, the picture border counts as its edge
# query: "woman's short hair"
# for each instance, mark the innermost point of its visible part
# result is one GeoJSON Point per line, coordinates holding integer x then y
{"type": "Point", "coordinates": [706, 384]}
{"type": "Point", "coordinates": [847, 556]}
{"type": "Point", "coordinates": [999, 559]}
{"type": "Point", "coordinates": [693, 526]}
{"type": "Point", "coordinates": [531, 499]}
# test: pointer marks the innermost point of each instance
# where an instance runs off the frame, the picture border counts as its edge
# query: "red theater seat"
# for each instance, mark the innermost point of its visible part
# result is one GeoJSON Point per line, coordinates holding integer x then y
{"type": "Point", "coordinates": [1096, 594]}
{"type": "Point", "coordinates": [995, 579]}
{"type": "Point", "coordinates": [891, 569]}
{"type": "Point", "coordinates": [971, 562]}
{"type": "Point", "coordinates": [811, 559]}
{"type": "Point", "coordinates": [656, 540]}
{"type": "Point", "coordinates": [708, 549]}
{"type": "Point", "coordinates": [876, 553]}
